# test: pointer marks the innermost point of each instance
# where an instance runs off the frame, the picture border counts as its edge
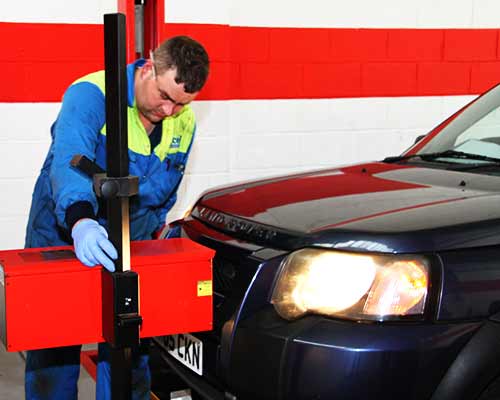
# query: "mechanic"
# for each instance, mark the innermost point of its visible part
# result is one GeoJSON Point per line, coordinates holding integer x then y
{"type": "Point", "coordinates": [65, 210]}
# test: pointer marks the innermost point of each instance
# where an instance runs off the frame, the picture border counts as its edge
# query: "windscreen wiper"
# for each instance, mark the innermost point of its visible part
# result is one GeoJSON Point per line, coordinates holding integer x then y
{"type": "Point", "coordinates": [443, 154]}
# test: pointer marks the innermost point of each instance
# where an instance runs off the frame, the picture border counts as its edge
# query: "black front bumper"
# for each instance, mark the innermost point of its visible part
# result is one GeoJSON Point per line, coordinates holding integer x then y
{"type": "Point", "coordinates": [319, 358]}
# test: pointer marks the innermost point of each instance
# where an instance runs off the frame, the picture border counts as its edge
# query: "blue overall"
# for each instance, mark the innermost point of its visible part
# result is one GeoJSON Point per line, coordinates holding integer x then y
{"type": "Point", "coordinates": [80, 129]}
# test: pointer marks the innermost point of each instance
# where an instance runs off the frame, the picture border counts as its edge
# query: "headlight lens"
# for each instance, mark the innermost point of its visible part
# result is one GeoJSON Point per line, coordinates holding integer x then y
{"type": "Point", "coordinates": [358, 286]}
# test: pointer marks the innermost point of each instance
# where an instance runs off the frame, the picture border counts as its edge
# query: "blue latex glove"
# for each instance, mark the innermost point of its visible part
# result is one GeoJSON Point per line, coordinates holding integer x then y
{"type": "Point", "coordinates": [92, 246]}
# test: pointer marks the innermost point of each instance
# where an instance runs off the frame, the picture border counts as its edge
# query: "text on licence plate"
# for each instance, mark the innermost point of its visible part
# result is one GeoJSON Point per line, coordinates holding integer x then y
{"type": "Point", "coordinates": [188, 350]}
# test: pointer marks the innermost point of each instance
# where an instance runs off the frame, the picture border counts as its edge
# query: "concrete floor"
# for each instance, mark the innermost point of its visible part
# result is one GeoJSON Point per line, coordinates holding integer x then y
{"type": "Point", "coordinates": [12, 378]}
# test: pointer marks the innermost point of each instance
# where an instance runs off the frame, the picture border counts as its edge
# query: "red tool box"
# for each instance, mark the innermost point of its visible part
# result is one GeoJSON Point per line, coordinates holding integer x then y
{"type": "Point", "coordinates": [49, 299]}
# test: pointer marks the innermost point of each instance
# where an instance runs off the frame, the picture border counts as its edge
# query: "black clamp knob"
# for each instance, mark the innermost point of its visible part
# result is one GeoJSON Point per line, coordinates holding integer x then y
{"type": "Point", "coordinates": [109, 187]}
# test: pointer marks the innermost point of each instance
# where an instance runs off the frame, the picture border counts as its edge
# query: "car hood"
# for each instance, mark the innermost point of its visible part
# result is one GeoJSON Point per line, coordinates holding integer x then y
{"type": "Point", "coordinates": [371, 207]}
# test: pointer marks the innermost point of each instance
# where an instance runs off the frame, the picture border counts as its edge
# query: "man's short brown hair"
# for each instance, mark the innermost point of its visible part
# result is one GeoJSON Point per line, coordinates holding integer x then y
{"type": "Point", "coordinates": [188, 56]}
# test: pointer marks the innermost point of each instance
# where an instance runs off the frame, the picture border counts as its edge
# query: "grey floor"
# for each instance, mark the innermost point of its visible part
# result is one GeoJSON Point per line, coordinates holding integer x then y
{"type": "Point", "coordinates": [12, 378]}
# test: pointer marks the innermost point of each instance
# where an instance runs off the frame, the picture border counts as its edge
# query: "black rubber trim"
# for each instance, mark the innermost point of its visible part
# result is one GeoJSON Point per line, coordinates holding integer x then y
{"type": "Point", "coordinates": [201, 387]}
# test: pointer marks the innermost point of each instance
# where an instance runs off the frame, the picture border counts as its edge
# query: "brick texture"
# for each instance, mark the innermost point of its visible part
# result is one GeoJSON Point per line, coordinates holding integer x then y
{"type": "Point", "coordinates": [389, 79]}
{"type": "Point", "coordinates": [433, 77]}
{"type": "Point", "coordinates": [470, 45]}
{"type": "Point", "coordinates": [484, 76]}
{"type": "Point", "coordinates": [264, 63]}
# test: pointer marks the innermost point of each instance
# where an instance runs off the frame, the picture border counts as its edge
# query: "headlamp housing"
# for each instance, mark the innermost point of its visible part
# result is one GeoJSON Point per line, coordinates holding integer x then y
{"type": "Point", "coordinates": [351, 285]}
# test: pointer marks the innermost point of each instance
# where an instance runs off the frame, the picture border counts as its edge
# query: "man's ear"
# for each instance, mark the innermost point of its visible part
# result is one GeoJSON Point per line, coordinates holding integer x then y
{"type": "Point", "coordinates": [147, 69]}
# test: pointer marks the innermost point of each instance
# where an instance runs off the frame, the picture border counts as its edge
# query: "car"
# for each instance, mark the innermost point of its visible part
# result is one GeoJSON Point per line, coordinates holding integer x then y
{"type": "Point", "coordinates": [378, 280]}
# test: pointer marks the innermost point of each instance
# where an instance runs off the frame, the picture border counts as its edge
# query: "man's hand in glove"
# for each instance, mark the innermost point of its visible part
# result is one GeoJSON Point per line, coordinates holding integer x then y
{"type": "Point", "coordinates": [92, 245]}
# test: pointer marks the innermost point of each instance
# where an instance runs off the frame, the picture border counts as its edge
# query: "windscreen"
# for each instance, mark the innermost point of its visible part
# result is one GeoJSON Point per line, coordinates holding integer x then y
{"type": "Point", "coordinates": [474, 130]}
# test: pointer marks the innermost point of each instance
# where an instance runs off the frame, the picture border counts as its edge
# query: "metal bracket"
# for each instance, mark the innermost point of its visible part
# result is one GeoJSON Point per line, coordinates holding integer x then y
{"type": "Point", "coordinates": [111, 187]}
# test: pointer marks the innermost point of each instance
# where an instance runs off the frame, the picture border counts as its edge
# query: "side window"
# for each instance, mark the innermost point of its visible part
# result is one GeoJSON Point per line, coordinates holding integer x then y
{"type": "Point", "coordinates": [483, 137]}
{"type": "Point", "coordinates": [486, 129]}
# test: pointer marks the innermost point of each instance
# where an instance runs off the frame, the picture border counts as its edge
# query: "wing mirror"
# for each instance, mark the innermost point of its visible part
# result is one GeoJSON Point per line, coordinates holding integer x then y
{"type": "Point", "coordinates": [419, 138]}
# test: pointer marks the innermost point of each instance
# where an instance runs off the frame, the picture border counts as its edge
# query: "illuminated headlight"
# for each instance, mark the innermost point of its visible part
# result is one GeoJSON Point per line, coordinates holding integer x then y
{"type": "Point", "coordinates": [351, 285]}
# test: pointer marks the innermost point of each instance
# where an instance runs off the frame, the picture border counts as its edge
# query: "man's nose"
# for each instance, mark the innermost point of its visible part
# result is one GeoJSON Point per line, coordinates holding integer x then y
{"type": "Point", "coordinates": [168, 108]}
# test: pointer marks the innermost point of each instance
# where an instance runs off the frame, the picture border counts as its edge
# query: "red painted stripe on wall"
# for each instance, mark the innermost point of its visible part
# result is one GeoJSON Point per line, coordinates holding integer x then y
{"type": "Point", "coordinates": [40, 60]}
{"type": "Point", "coordinates": [266, 63]}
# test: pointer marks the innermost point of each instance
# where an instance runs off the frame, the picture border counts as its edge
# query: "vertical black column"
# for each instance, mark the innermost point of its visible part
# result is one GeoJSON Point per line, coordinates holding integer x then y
{"type": "Point", "coordinates": [120, 289]}
{"type": "Point", "coordinates": [117, 133]}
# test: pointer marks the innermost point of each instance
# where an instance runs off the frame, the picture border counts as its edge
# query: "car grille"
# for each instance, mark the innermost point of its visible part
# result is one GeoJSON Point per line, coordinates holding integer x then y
{"type": "Point", "coordinates": [231, 277]}
{"type": "Point", "coordinates": [224, 275]}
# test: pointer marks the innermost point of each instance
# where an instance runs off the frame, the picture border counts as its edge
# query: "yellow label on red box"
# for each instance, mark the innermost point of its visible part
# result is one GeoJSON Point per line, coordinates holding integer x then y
{"type": "Point", "coordinates": [204, 288]}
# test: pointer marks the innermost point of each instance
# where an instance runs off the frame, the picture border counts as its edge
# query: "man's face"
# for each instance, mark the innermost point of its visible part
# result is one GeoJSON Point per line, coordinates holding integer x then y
{"type": "Point", "coordinates": [159, 96]}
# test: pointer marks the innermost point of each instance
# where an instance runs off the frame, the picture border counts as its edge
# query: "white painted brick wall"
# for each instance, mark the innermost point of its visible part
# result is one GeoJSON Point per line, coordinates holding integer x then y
{"type": "Point", "coordinates": [21, 159]}
{"type": "Point", "coordinates": [212, 118]}
{"type": "Point", "coordinates": [23, 146]}
{"type": "Point", "coordinates": [267, 150]}
{"type": "Point", "coordinates": [485, 13]}
{"type": "Point", "coordinates": [323, 149]}
{"type": "Point", "coordinates": [338, 13]}
{"type": "Point", "coordinates": [27, 121]}
{"type": "Point", "coordinates": [210, 155]}
{"type": "Point", "coordinates": [16, 196]}
{"type": "Point", "coordinates": [13, 231]}
{"type": "Point", "coordinates": [57, 11]}
{"type": "Point", "coordinates": [204, 12]}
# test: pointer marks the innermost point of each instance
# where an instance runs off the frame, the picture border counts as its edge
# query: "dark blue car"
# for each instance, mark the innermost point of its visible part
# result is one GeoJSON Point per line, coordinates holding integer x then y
{"type": "Point", "coordinates": [371, 281]}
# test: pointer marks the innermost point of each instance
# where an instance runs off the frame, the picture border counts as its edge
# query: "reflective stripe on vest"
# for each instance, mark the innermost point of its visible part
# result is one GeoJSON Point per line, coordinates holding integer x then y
{"type": "Point", "coordinates": [177, 131]}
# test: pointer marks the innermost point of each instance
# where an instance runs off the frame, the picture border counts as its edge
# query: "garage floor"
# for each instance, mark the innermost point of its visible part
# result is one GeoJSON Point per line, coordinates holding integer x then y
{"type": "Point", "coordinates": [12, 378]}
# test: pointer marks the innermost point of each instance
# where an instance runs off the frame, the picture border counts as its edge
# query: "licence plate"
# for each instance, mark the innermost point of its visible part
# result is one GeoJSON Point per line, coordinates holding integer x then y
{"type": "Point", "coordinates": [188, 350]}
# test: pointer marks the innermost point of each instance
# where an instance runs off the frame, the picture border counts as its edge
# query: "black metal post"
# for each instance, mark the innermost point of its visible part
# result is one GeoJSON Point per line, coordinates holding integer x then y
{"type": "Point", "coordinates": [117, 132]}
{"type": "Point", "coordinates": [120, 290]}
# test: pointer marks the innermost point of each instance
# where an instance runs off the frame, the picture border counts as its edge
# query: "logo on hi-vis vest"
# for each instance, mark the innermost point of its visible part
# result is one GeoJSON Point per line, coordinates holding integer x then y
{"type": "Point", "coordinates": [176, 141]}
